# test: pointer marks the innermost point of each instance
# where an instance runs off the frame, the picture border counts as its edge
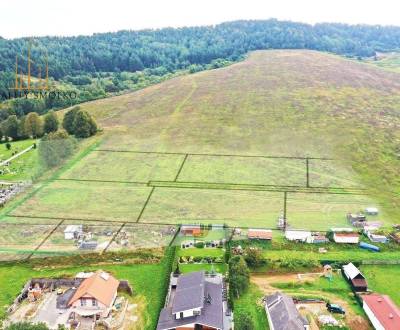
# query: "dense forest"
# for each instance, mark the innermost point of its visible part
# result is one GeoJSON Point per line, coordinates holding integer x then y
{"type": "Point", "coordinates": [112, 62]}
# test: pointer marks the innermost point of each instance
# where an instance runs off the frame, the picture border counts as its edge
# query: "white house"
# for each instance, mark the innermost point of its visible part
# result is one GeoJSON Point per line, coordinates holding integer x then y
{"type": "Point", "coordinates": [73, 231]}
{"type": "Point", "coordinates": [297, 235]}
{"type": "Point", "coordinates": [381, 311]}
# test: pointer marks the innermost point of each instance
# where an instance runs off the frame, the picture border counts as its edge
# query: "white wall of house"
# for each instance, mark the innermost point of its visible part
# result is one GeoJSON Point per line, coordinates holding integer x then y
{"type": "Point", "coordinates": [375, 322]}
{"type": "Point", "coordinates": [347, 240]}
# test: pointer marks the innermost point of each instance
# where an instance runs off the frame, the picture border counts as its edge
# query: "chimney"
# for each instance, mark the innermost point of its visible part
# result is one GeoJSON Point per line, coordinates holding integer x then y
{"type": "Point", "coordinates": [391, 316]}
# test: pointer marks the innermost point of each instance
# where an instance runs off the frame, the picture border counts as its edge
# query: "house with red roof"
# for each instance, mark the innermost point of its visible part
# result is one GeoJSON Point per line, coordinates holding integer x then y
{"type": "Point", "coordinates": [262, 234]}
{"type": "Point", "coordinates": [95, 296]}
{"type": "Point", "coordinates": [381, 311]}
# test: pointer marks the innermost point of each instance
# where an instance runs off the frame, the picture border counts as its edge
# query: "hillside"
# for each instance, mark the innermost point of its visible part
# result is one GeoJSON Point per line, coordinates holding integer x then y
{"type": "Point", "coordinates": [281, 103]}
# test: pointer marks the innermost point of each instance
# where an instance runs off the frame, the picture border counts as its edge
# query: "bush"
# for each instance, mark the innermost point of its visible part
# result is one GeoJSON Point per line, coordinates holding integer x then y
{"type": "Point", "coordinates": [199, 245]}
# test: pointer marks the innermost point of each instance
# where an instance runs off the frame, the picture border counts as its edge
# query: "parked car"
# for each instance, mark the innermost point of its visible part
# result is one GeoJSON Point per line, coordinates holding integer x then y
{"type": "Point", "coordinates": [333, 308]}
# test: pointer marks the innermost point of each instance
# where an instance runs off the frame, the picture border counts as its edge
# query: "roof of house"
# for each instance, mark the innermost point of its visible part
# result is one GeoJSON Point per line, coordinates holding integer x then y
{"type": "Point", "coordinates": [352, 271]}
{"type": "Point", "coordinates": [189, 292]}
{"type": "Point", "coordinates": [73, 228]}
{"type": "Point", "coordinates": [283, 313]}
{"type": "Point", "coordinates": [342, 229]}
{"type": "Point", "coordinates": [260, 233]}
{"type": "Point", "coordinates": [101, 286]}
{"type": "Point", "coordinates": [347, 235]}
{"type": "Point", "coordinates": [301, 234]}
{"type": "Point", "coordinates": [211, 310]}
{"type": "Point", "coordinates": [387, 313]}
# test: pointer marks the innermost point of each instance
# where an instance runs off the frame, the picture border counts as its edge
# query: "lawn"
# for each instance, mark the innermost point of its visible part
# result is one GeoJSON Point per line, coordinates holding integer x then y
{"type": "Point", "coordinates": [250, 303]}
{"type": "Point", "coordinates": [22, 168]}
{"type": "Point", "coordinates": [148, 282]}
{"type": "Point", "coordinates": [384, 279]}
{"type": "Point", "coordinates": [86, 200]}
{"type": "Point", "coordinates": [187, 268]}
{"type": "Point", "coordinates": [125, 166]}
{"type": "Point", "coordinates": [204, 252]}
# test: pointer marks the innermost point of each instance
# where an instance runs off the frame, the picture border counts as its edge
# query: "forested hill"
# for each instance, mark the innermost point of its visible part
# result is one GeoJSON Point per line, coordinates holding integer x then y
{"type": "Point", "coordinates": [171, 49]}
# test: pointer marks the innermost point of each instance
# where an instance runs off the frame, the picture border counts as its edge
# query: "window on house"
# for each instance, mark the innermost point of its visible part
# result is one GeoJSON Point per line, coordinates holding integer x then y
{"type": "Point", "coordinates": [83, 302]}
{"type": "Point", "coordinates": [181, 315]}
{"type": "Point", "coordinates": [94, 302]}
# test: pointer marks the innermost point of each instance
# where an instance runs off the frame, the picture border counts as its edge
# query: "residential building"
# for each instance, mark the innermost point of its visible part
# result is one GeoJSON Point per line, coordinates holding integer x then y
{"type": "Point", "coordinates": [297, 235]}
{"type": "Point", "coordinates": [346, 238]}
{"type": "Point", "coordinates": [355, 277]}
{"type": "Point", "coordinates": [262, 234]}
{"type": "Point", "coordinates": [195, 301]}
{"type": "Point", "coordinates": [73, 231]}
{"type": "Point", "coordinates": [283, 314]}
{"type": "Point", "coordinates": [381, 311]}
{"type": "Point", "coordinates": [190, 230]}
{"type": "Point", "coordinates": [95, 296]}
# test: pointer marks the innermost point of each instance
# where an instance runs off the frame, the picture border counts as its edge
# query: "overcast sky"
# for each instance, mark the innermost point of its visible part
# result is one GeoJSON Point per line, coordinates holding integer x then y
{"type": "Point", "coordinates": [74, 17]}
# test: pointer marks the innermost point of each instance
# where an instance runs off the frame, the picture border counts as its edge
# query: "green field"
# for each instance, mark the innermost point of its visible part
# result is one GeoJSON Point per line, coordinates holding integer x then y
{"type": "Point", "coordinates": [125, 166]}
{"type": "Point", "coordinates": [196, 149]}
{"type": "Point", "coordinates": [325, 211]}
{"type": "Point", "coordinates": [86, 200]}
{"type": "Point", "coordinates": [384, 279]}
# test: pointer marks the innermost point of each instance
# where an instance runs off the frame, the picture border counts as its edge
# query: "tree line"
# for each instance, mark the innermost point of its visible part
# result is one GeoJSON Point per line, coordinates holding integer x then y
{"type": "Point", "coordinates": [170, 49]}
{"type": "Point", "coordinates": [75, 122]}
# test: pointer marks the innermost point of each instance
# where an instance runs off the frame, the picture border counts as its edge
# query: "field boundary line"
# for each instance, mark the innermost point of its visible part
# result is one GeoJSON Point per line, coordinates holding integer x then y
{"type": "Point", "coordinates": [45, 239]}
{"type": "Point", "coordinates": [181, 167]}
{"type": "Point", "coordinates": [145, 204]}
{"type": "Point", "coordinates": [104, 181]}
{"type": "Point", "coordinates": [113, 238]}
{"type": "Point", "coordinates": [175, 235]}
{"type": "Point", "coordinates": [213, 154]}
{"type": "Point", "coordinates": [249, 187]}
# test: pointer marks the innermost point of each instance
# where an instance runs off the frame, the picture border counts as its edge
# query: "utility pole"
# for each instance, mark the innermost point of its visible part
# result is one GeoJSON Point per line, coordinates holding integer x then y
{"type": "Point", "coordinates": [284, 210]}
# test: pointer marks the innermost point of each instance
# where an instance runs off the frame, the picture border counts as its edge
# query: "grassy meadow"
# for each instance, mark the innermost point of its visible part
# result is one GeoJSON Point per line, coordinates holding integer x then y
{"type": "Point", "coordinates": [291, 103]}
{"type": "Point", "coordinates": [384, 279]}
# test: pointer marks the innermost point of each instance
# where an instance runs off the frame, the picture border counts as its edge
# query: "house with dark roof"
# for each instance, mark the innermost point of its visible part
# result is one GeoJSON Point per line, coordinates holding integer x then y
{"type": "Point", "coordinates": [381, 311]}
{"type": "Point", "coordinates": [355, 278]}
{"type": "Point", "coordinates": [195, 301]}
{"type": "Point", "coordinates": [283, 314]}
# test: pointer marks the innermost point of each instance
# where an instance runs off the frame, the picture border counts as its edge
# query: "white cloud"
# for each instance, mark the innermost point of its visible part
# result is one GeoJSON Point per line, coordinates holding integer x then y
{"type": "Point", "coordinates": [73, 17]}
